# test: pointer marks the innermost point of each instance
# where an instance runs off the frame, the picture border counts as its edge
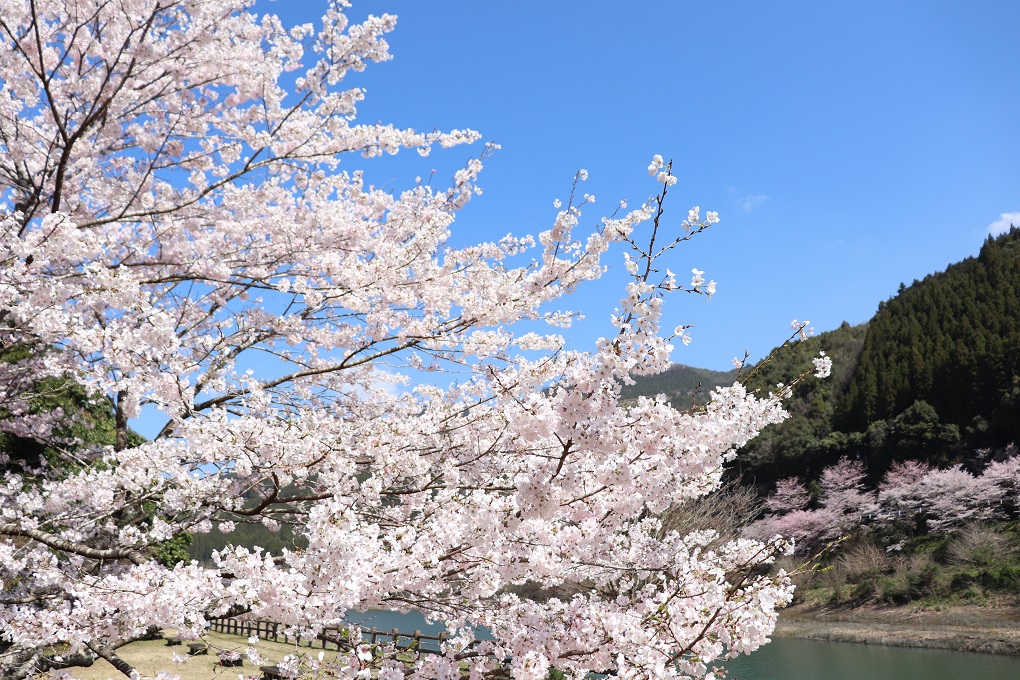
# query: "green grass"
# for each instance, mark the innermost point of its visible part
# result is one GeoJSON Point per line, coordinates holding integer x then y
{"type": "Point", "coordinates": [151, 656]}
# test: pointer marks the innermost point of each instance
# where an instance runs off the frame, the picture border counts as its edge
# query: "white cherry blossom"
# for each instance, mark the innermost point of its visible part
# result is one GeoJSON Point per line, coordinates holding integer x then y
{"type": "Point", "coordinates": [175, 210]}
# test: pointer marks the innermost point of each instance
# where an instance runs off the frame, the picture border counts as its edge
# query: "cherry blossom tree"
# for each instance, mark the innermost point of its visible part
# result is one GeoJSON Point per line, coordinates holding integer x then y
{"type": "Point", "coordinates": [901, 496]}
{"type": "Point", "coordinates": [790, 495]}
{"type": "Point", "coordinates": [843, 506]}
{"type": "Point", "coordinates": [844, 494]}
{"type": "Point", "coordinates": [789, 516]}
{"type": "Point", "coordinates": [955, 497]}
{"type": "Point", "coordinates": [173, 211]}
{"type": "Point", "coordinates": [946, 499]}
{"type": "Point", "coordinates": [810, 530]}
{"type": "Point", "coordinates": [1005, 475]}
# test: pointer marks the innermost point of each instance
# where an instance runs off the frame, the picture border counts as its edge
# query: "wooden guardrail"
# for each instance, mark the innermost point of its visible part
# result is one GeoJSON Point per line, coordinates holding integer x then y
{"type": "Point", "coordinates": [335, 638]}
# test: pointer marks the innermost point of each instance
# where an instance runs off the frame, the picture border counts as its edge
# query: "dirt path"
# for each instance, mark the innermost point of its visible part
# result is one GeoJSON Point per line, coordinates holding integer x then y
{"type": "Point", "coordinates": [991, 630]}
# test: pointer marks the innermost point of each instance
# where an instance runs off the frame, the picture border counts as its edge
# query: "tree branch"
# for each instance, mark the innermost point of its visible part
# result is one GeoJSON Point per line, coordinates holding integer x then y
{"type": "Point", "coordinates": [63, 545]}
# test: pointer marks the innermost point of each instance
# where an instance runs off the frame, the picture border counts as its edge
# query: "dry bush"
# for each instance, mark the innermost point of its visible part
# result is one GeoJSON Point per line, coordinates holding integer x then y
{"type": "Point", "coordinates": [918, 562]}
{"type": "Point", "coordinates": [726, 511]}
{"type": "Point", "coordinates": [979, 546]}
{"type": "Point", "coordinates": [864, 559]}
{"type": "Point", "coordinates": [912, 577]}
{"type": "Point", "coordinates": [834, 578]}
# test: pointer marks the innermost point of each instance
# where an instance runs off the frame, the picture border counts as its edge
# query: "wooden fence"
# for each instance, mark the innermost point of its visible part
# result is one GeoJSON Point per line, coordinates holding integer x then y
{"type": "Point", "coordinates": [331, 638]}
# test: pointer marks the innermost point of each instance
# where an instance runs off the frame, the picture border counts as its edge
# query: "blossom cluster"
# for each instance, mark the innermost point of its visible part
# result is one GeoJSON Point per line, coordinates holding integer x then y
{"type": "Point", "coordinates": [911, 493]}
{"type": "Point", "coordinates": [173, 212]}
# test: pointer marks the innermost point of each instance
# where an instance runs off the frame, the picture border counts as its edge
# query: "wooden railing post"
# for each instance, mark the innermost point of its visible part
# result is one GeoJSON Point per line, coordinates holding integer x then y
{"type": "Point", "coordinates": [265, 629]}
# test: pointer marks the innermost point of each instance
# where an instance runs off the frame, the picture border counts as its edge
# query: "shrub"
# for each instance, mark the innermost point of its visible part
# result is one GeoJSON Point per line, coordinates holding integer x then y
{"type": "Point", "coordinates": [865, 560]}
{"type": "Point", "coordinates": [979, 546]}
{"type": "Point", "coordinates": [896, 588]}
{"type": "Point", "coordinates": [1005, 577]}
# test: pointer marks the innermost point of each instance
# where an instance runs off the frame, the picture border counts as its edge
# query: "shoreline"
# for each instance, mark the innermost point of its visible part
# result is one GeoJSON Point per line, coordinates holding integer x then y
{"type": "Point", "coordinates": [965, 628]}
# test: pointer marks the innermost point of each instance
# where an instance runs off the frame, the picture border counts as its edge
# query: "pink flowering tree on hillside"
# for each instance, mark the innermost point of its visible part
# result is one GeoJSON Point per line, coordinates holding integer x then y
{"type": "Point", "coordinates": [790, 517]}
{"type": "Point", "coordinates": [946, 500]}
{"type": "Point", "coordinates": [790, 496]}
{"type": "Point", "coordinates": [1005, 475]}
{"type": "Point", "coordinates": [901, 493]}
{"type": "Point", "coordinates": [844, 494]}
{"type": "Point", "coordinates": [912, 497]}
{"type": "Point", "coordinates": [810, 530]}
{"type": "Point", "coordinates": [172, 210]}
{"type": "Point", "coordinates": [953, 498]}
{"type": "Point", "coordinates": [842, 507]}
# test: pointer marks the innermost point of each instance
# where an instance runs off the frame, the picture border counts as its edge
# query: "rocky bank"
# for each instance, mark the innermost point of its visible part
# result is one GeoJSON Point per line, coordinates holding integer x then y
{"type": "Point", "coordinates": [987, 629]}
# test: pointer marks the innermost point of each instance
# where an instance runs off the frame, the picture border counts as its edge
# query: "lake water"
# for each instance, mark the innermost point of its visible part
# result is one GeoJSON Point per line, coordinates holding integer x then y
{"type": "Point", "coordinates": [788, 659]}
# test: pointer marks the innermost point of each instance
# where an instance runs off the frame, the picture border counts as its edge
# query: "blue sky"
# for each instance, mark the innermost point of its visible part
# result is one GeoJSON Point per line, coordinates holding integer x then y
{"type": "Point", "coordinates": [848, 146]}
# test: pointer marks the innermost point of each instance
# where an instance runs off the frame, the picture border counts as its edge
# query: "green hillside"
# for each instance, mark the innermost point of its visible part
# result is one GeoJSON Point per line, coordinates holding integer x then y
{"type": "Point", "coordinates": [805, 443]}
{"type": "Point", "coordinates": [953, 341]}
{"type": "Point", "coordinates": [934, 376]}
{"type": "Point", "coordinates": [683, 385]}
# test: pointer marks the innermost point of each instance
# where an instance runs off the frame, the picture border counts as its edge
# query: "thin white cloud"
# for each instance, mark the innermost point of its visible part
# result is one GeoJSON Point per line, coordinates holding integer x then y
{"type": "Point", "coordinates": [747, 203]}
{"type": "Point", "coordinates": [834, 246]}
{"type": "Point", "coordinates": [1001, 225]}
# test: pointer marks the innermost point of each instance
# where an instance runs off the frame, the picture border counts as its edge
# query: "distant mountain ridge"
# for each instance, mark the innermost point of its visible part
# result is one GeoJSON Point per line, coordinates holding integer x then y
{"type": "Point", "coordinates": [682, 385]}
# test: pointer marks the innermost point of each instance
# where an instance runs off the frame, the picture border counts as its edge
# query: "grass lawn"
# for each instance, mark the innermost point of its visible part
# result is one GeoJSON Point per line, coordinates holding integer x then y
{"type": "Point", "coordinates": [152, 656]}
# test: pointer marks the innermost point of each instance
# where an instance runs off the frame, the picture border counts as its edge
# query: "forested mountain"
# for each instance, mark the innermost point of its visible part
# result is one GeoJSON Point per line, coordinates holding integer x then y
{"type": "Point", "coordinates": [681, 384]}
{"type": "Point", "coordinates": [952, 340]}
{"type": "Point", "coordinates": [934, 376]}
{"type": "Point", "coordinates": [804, 444]}
{"type": "Point", "coordinates": [250, 535]}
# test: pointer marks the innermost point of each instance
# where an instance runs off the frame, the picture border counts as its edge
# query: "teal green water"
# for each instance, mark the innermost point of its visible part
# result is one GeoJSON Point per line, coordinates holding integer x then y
{"type": "Point", "coordinates": [787, 659]}
{"type": "Point", "coordinates": [813, 660]}
{"type": "Point", "coordinates": [406, 623]}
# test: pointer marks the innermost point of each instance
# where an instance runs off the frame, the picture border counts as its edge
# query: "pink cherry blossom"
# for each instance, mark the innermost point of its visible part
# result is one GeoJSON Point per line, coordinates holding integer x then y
{"type": "Point", "coordinates": [790, 495]}
{"type": "Point", "coordinates": [174, 212]}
